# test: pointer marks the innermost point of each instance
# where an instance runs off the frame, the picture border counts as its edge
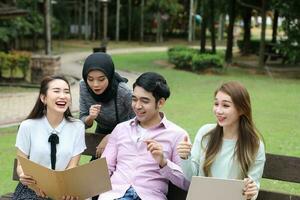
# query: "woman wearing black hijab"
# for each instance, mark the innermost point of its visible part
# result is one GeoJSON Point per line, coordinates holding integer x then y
{"type": "Point", "coordinates": [104, 96]}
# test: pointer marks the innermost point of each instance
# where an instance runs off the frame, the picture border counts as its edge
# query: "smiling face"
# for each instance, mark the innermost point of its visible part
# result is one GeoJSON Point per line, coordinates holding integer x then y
{"type": "Point", "coordinates": [225, 111]}
{"type": "Point", "coordinates": [97, 81]}
{"type": "Point", "coordinates": [58, 97]}
{"type": "Point", "coordinates": [145, 107]}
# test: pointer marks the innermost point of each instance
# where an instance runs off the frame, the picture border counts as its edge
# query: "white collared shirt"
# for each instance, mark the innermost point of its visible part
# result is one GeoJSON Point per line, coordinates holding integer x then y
{"type": "Point", "coordinates": [32, 140]}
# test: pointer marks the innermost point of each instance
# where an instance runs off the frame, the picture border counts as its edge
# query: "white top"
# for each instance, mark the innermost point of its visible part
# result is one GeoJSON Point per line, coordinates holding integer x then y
{"type": "Point", "coordinates": [32, 140]}
{"type": "Point", "coordinates": [225, 165]}
{"type": "Point", "coordinates": [139, 135]}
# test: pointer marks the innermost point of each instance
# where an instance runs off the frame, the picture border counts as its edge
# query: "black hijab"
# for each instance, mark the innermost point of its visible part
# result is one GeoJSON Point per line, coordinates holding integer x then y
{"type": "Point", "coordinates": [102, 62]}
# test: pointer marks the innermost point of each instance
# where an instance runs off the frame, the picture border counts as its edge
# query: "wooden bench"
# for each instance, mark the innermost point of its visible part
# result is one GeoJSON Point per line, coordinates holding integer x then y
{"type": "Point", "coordinates": [277, 167]}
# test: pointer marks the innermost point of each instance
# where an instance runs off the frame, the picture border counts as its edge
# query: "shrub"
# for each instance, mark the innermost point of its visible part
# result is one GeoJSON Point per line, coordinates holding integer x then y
{"type": "Point", "coordinates": [181, 57]}
{"type": "Point", "coordinates": [13, 61]}
{"type": "Point", "coordinates": [23, 61]}
{"type": "Point", "coordinates": [188, 58]}
{"type": "Point", "coordinates": [201, 62]}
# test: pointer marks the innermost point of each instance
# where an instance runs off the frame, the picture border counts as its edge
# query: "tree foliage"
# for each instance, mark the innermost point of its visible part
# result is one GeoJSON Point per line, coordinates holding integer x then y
{"type": "Point", "coordinates": [289, 11]}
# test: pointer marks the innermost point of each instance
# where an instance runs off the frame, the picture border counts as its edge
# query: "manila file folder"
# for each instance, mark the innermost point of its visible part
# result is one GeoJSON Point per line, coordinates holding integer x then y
{"type": "Point", "coordinates": [83, 181]}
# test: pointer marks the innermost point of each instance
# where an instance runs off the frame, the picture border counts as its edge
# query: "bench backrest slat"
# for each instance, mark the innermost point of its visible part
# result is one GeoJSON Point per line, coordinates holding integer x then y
{"type": "Point", "coordinates": [285, 168]}
{"type": "Point", "coordinates": [92, 141]}
{"type": "Point", "coordinates": [272, 195]}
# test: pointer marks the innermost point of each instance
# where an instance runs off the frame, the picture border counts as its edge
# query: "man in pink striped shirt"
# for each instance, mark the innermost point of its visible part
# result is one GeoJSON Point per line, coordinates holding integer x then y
{"type": "Point", "coordinates": [141, 153]}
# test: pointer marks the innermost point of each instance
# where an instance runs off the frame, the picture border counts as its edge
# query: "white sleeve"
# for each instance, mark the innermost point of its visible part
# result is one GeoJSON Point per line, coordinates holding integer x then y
{"type": "Point", "coordinates": [23, 138]}
{"type": "Point", "coordinates": [191, 166]}
{"type": "Point", "coordinates": [79, 143]}
{"type": "Point", "coordinates": [256, 170]}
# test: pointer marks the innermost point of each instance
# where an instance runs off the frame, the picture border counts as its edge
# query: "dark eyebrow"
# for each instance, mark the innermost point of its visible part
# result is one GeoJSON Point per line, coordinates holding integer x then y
{"type": "Point", "coordinates": [56, 88]}
{"type": "Point", "coordinates": [142, 98]}
{"type": "Point", "coordinates": [226, 101]}
{"type": "Point", "coordinates": [97, 76]}
{"type": "Point", "coordinates": [145, 98]}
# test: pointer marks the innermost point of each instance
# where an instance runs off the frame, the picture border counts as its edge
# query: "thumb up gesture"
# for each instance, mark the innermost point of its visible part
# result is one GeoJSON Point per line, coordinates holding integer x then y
{"type": "Point", "coordinates": [184, 148]}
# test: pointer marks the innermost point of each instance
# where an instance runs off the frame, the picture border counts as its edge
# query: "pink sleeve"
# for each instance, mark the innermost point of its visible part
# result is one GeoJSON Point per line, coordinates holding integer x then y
{"type": "Point", "coordinates": [111, 151]}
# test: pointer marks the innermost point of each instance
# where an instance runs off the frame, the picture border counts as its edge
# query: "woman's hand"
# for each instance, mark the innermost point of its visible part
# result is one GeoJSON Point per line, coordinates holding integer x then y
{"type": "Point", "coordinates": [40, 193]}
{"type": "Point", "coordinates": [94, 111]}
{"type": "Point", "coordinates": [26, 180]}
{"type": "Point", "coordinates": [250, 189]}
{"type": "Point", "coordinates": [184, 148]}
{"type": "Point", "coordinates": [100, 148]}
{"type": "Point", "coordinates": [69, 198]}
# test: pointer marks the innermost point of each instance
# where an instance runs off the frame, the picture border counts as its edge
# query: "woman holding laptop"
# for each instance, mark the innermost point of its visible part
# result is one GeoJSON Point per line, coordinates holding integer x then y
{"type": "Point", "coordinates": [230, 149]}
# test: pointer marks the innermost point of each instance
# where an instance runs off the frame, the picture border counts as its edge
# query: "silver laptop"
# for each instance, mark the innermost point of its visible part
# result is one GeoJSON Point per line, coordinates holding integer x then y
{"type": "Point", "coordinates": [208, 188]}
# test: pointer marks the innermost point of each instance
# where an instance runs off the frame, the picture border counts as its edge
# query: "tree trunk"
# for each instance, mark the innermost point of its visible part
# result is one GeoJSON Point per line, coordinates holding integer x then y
{"type": "Point", "coordinates": [34, 34]}
{"type": "Point", "coordinates": [79, 19]}
{"type": "Point", "coordinates": [247, 30]}
{"type": "Point", "coordinates": [232, 14]}
{"type": "Point", "coordinates": [47, 17]}
{"type": "Point", "coordinates": [190, 37]}
{"type": "Point", "coordinates": [100, 21]}
{"type": "Point", "coordinates": [105, 10]}
{"type": "Point", "coordinates": [129, 19]}
{"type": "Point", "coordinates": [263, 35]}
{"type": "Point", "coordinates": [275, 26]}
{"type": "Point", "coordinates": [86, 20]}
{"type": "Point", "coordinates": [194, 21]}
{"type": "Point", "coordinates": [221, 27]}
{"type": "Point", "coordinates": [212, 26]}
{"type": "Point", "coordinates": [203, 28]}
{"type": "Point", "coordinates": [142, 21]}
{"type": "Point", "coordinates": [158, 29]}
{"type": "Point", "coordinates": [34, 40]}
{"type": "Point", "coordinates": [94, 25]}
{"type": "Point", "coordinates": [118, 21]}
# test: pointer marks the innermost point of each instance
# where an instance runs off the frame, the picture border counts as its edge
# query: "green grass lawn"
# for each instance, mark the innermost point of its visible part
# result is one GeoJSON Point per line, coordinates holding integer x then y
{"type": "Point", "coordinates": [275, 105]}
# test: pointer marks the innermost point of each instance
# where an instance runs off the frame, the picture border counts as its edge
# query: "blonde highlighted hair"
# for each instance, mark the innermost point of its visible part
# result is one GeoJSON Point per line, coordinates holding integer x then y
{"type": "Point", "coordinates": [248, 141]}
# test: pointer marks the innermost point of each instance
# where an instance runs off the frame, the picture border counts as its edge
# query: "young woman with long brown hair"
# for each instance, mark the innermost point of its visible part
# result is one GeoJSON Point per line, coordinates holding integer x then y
{"type": "Point", "coordinates": [230, 149]}
{"type": "Point", "coordinates": [50, 136]}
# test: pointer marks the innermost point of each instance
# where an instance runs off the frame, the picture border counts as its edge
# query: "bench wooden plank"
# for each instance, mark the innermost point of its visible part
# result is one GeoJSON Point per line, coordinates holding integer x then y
{"type": "Point", "coordinates": [15, 176]}
{"type": "Point", "coordinates": [272, 195]}
{"type": "Point", "coordinates": [284, 168]}
{"type": "Point", "coordinates": [6, 196]}
{"type": "Point", "coordinates": [92, 140]}
{"type": "Point", "coordinates": [175, 192]}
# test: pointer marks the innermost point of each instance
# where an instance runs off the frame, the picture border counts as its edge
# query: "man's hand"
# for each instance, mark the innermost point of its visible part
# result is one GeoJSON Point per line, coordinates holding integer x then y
{"type": "Point", "coordinates": [184, 148]}
{"type": "Point", "coordinates": [156, 150]}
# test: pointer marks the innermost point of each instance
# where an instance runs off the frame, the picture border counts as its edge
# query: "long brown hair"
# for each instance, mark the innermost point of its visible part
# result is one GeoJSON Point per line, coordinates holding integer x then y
{"type": "Point", "coordinates": [38, 110]}
{"type": "Point", "coordinates": [248, 141]}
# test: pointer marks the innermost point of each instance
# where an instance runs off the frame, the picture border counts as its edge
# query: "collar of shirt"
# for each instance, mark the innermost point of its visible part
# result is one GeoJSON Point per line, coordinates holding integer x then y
{"type": "Point", "coordinates": [163, 122]}
{"type": "Point", "coordinates": [50, 129]}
